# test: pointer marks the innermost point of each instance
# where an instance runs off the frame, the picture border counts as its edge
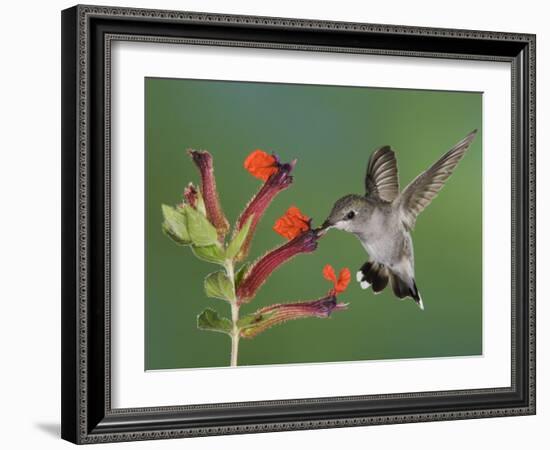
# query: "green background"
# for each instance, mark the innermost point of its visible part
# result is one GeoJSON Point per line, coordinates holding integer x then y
{"type": "Point", "coordinates": [332, 132]}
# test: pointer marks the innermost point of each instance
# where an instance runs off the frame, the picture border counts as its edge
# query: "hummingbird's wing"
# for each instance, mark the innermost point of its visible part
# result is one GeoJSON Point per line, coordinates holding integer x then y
{"type": "Point", "coordinates": [382, 180]}
{"type": "Point", "coordinates": [423, 189]}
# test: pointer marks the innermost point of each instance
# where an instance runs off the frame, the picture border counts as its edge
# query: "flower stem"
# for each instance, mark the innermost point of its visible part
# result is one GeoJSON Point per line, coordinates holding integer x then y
{"type": "Point", "coordinates": [235, 333]}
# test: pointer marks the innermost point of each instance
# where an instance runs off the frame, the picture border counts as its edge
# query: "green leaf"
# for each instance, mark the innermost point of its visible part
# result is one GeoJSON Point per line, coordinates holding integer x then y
{"type": "Point", "coordinates": [174, 225]}
{"type": "Point", "coordinates": [239, 275]}
{"type": "Point", "coordinates": [237, 242]}
{"type": "Point", "coordinates": [168, 232]}
{"type": "Point", "coordinates": [218, 285]}
{"type": "Point", "coordinates": [211, 321]}
{"type": "Point", "coordinates": [250, 320]}
{"type": "Point", "coordinates": [212, 253]}
{"type": "Point", "coordinates": [201, 232]}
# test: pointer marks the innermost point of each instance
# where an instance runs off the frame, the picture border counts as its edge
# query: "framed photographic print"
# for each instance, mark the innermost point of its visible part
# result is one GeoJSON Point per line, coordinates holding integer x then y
{"type": "Point", "coordinates": [282, 224]}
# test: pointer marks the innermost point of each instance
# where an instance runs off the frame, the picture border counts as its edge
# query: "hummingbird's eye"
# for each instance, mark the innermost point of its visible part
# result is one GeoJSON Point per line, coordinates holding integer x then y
{"type": "Point", "coordinates": [350, 215]}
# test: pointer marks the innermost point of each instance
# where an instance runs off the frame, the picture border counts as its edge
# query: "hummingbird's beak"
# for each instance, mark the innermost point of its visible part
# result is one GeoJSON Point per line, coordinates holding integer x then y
{"type": "Point", "coordinates": [327, 225]}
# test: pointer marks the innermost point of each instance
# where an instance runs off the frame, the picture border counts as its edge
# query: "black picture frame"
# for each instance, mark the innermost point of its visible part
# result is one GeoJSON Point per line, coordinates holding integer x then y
{"type": "Point", "coordinates": [87, 416]}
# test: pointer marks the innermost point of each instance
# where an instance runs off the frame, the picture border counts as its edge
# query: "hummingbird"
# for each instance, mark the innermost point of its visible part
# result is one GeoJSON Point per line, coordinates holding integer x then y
{"type": "Point", "coordinates": [384, 218]}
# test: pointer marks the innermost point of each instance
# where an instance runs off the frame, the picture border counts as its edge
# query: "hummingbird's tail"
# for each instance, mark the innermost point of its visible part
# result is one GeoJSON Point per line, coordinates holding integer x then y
{"type": "Point", "coordinates": [401, 289]}
{"type": "Point", "coordinates": [377, 275]}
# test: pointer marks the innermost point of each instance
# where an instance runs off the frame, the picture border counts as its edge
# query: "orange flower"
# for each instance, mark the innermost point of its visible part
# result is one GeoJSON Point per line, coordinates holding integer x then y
{"type": "Point", "coordinates": [261, 165]}
{"type": "Point", "coordinates": [276, 183]}
{"type": "Point", "coordinates": [292, 224]}
{"type": "Point", "coordinates": [340, 284]}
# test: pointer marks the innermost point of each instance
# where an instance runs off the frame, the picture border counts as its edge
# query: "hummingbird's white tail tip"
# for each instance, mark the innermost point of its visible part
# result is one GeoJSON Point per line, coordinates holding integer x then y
{"type": "Point", "coordinates": [421, 304]}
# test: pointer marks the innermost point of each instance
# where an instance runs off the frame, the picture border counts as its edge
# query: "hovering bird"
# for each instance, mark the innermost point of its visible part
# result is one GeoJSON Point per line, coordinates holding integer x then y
{"type": "Point", "coordinates": [383, 218]}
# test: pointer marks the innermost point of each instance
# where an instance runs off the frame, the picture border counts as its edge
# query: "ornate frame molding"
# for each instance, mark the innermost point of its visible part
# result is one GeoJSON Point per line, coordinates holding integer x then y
{"type": "Point", "coordinates": [83, 421]}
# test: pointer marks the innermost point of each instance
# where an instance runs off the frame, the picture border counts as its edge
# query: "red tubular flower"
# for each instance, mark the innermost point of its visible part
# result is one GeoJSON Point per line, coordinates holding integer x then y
{"type": "Point", "coordinates": [265, 266]}
{"type": "Point", "coordinates": [272, 315]}
{"type": "Point", "coordinates": [292, 224]}
{"type": "Point", "coordinates": [214, 213]}
{"type": "Point", "coordinates": [277, 182]}
{"type": "Point", "coordinates": [340, 284]}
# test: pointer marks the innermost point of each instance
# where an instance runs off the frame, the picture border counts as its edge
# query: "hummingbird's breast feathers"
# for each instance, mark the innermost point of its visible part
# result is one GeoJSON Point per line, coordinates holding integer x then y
{"type": "Point", "coordinates": [383, 235]}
